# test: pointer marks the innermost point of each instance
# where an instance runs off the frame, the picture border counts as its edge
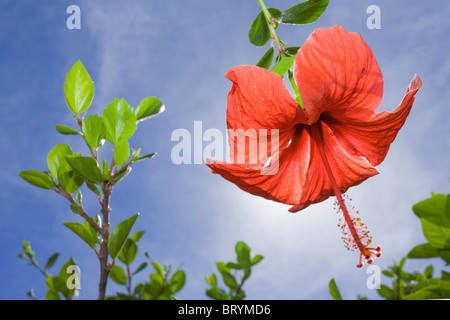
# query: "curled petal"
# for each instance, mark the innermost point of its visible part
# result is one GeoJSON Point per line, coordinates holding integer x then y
{"type": "Point", "coordinates": [371, 136]}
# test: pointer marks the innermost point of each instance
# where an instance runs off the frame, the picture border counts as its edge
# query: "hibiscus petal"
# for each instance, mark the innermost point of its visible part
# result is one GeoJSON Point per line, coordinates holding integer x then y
{"type": "Point", "coordinates": [336, 72]}
{"type": "Point", "coordinates": [301, 178]}
{"type": "Point", "coordinates": [259, 99]}
{"type": "Point", "coordinates": [371, 136]}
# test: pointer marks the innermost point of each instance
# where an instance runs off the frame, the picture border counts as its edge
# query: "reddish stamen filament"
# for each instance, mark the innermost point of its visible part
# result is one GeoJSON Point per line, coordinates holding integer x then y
{"type": "Point", "coordinates": [351, 222]}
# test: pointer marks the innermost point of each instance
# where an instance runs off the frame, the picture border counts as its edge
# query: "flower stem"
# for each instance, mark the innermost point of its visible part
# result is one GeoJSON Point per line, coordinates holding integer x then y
{"type": "Point", "coordinates": [271, 26]}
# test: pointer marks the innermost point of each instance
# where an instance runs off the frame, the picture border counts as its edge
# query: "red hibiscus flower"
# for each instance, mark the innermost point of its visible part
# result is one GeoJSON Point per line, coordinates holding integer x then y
{"type": "Point", "coordinates": [325, 148]}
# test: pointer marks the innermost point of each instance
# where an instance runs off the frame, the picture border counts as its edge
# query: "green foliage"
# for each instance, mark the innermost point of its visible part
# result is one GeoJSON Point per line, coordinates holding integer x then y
{"type": "Point", "coordinates": [259, 32]}
{"type": "Point", "coordinates": [229, 272]}
{"type": "Point", "coordinates": [304, 12]}
{"type": "Point", "coordinates": [56, 284]}
{"type": "Point", "coordinates": [266, 59]}
{"type": "Point", "coordinates": [434, 214]}
{"type": "Point", "coordinates": [38, 179]}
{"type": "Point", "coordinates": [78, 89]}
{"type": "Point", "coordinates": [148, 108]}
{"type": "Point", "coordinates": [119, 236]}
{"type": "Point", "coordinates": [334, 291]}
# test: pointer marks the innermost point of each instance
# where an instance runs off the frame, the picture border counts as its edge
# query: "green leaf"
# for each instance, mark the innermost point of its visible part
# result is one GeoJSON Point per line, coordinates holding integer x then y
{"type": "Point", "coordinates": [434, 209]}
{"type": "Point", "coordinates": [149, 107]}
{"type": "Point", "coordinates": [119, 236]}
{"type": "Point", "coordinates": [177, 281]}
{"type": "Point", "coordinates": [51, 261]}
{"type": "Point", "coordinates": [445, 285]}
{"type": "Point", "coordinates": [388, 273]}
{"type": "Point", "coordinates": [334, 291]}
{"type": "Point", "coordinates": [120, 121]}
{"type": "Point", "coordinates": [27, 249]}
{"type": "Point", "coordinates": [428, 273]}
{"type": "Point", "coordinates": [146, 157]}
{"type": "Point", "coordinates": [87, 167]}
{"type": "Point", "coordinates": [259, 33]}
{"type": "Point", "coordinates": [304, 12]}
{"type": "Point", "coordinates": [445, 255]}
{"type": "Point", "coordinates": [128, 252]}
{"type": "Point", "coordinates": [59, 167]}
{"type": "Point", "coordinates": [422, 251]}
{"type": "Point", "coordinates": [283, 66]}
{"type": "Point", "coordinates": [438, 236]}
{"type": "Point", "coordinates": [38, 179]}
{"type": "Point", "coordinates": [118, 275]}
{"type": "Point", "coordinates": [137, 236]}
{"type": "Point", "coordinates": [94, 131]}
{"type": "Point", "coordinates": [78, 88]}
{"type": "Point", "coordinates": [141, 267]}
{"type": "Point", "coordinates": [159, 269]}
{"type": "Point", "coordinates": [52, 295]}
{"type": "Point", "coordinates": [418, 295]}
{"type": "Point", "coordinates": [82, 232]}
{"type": "Point", "coordinates": [292, 51]}
{"type": "Point", "coordinates": [216, 293]}
{"type": "Point", "coordinates": [256, 259]}
{"type": "Point", "coordinates": [212, 280]}
{"type": "Point", "coordinates": [243, 254]}
{"type": "Point", "coordinates": [122, 174]}
{"type": "Point", "coordinates": [66, 130]}
{"type": "Point", "coordinates": [121, 152]}
{"type": "Point", "coordinates": [266, 59]}
{"type": "Point", "coordinates": [93, 188]}
{"type": "Point", "coordinates": [105, 169]}
{"type": "Point", "coordinates": [229, 280]}
{"type": "Point", "coordinates": [60, 282]}
{"type": "Point", "coordinates": [386, 292]}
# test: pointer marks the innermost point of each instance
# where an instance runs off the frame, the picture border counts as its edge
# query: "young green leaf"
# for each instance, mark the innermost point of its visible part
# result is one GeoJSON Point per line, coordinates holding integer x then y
{"type": "Point", "coordinates": [256, 259]}
{"type": "Point", "coordinates": [93, 188]}
{"type": "Point", "coordinates": [66, 130]}
{"type": "Point", "coordinates": [177, 281]}
{"type": "Point", "coordinates": [121, 152]}
{"type": "Point", "coordinates": [304, 12]}
{"type": "Point", "coordinates": [141, 267]}
{"type": "Point", "coordinates": [434, 209]}
{"type": "Point", "coordinates": [146, 157]}
{"type": "Point", "coordinates": [422, 251]}
{"type": "Point", "coordinates": [118, 275]}
{"type": "Point", "coordinates": [334, 291]}
{"type": "Point", "coordinates": [120, 121]}
{"type": "Point", "coordinates": [445, 285]}
{"type": "Point", "coordinates": [212, 279]}
{"type": "Point", "coordinates": [82, 232]}
{"type": "Point", "coordinates": [86, 167]}
{"type": "Point", "coordinates": [78, 89]}
{"type": "Point", "coordinates": [94, 131]}
{"type": "Point", "coordinates": [52, 295]}
{"type": "Point", "coordinates": [149, 107]}
{"type": "Point", "coordinates": [243, 254]}
{"type": "Point", "coordinates": [266, 59]}
{"type": "Point", "coordinates": [105, 170]}
{"type": "Point", "coordinates": [283, 65]}
{"type": "Point", "coordinates": [128, 252]}
{"type": "Point", "coordinates": [59, 167]}
{"type": "Point", "coordinates": [119, 236]}
{"type": "Point", "coordinates": [292, 51]}
{"type": "Point", "coordinates": [216, 293]}
{"type": "Point", "coordinates": [137, 236]}
{"type": "Point", "coordinates": [38, 179]}
{"type": "Point", "coordinates": [259, 33]}
{"type": "Point", "coordinates": [51, 261]}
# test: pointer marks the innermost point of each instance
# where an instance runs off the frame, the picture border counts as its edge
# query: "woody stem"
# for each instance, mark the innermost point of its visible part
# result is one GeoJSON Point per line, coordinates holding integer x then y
{"type": "Point", "coordinates": [317, 135]}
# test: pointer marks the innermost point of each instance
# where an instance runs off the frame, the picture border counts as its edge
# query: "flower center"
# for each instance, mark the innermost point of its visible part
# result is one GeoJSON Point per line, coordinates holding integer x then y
{"type": "Point", "coordinates": [356, 235]}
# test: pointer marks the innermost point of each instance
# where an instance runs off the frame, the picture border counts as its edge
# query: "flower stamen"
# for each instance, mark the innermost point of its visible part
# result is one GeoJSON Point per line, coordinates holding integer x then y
{"type": "Point", "coordinates": [356, 235]}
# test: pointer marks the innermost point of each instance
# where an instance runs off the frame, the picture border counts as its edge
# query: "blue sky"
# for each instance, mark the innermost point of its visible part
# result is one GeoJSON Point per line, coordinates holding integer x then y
{"type": "Point", "coordinates": [179, 51]}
